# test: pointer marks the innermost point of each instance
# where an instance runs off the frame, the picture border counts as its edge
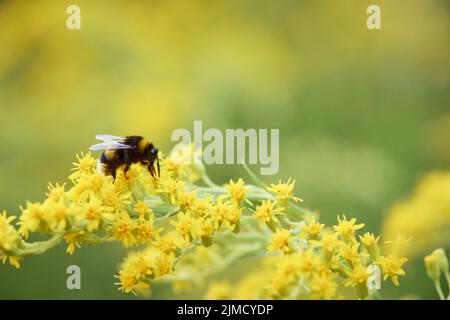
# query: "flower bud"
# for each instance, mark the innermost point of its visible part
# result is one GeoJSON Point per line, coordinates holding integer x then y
{"type": "Point", "coordinates": [433, 268]}
{"type": "Point", "coordinates": [441, 259]}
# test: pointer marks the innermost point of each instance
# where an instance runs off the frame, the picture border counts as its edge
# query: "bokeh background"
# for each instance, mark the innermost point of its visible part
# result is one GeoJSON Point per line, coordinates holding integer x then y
{"type": "Point", "coordinates": [363, 115]}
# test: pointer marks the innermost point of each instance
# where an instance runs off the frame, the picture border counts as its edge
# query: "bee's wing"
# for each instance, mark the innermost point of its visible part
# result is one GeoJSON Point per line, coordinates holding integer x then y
{"type": "Point", "coordinates": [111, 145]}
{"type": "Point", "coordinates": [108, 137]}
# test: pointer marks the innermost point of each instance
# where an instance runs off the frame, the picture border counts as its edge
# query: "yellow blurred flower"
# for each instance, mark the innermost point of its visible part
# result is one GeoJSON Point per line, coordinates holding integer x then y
{"type": "Point", "coordinates": [323, 286]}
{"type": "Point", "coordinates": [218, 291]}
{"type": "Point", "coordinates": [424, 215]}
{"type": "Point", "coordinates": [280, 241]}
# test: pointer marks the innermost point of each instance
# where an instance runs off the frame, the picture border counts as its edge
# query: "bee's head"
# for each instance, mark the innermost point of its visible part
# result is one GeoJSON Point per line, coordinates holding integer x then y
{"type": "Point", "coordinates": [152, 156]}
{"type": "Point", "coordinates": [152, 152]}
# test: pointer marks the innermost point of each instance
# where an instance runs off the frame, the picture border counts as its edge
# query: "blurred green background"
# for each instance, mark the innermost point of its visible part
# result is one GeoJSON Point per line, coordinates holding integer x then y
{"type": "Point", "coordinates": [362, 114]}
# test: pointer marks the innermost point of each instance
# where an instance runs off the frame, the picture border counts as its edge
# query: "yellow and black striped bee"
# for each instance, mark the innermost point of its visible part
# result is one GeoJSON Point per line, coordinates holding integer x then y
{"type": "Point", "coordinates": [119, 151]}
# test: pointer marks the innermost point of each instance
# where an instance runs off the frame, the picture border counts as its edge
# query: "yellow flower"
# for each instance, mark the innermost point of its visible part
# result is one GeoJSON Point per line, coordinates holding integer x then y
{"type": "Point", "coordinates": [350, 253]}
{"type": "Point", "coordinates": [392, 267]}
{"type": "Point", "coordinates": [233, 218]}
{"type": "Point", "coordinates": [186, 200]}
{"type": "Point", "coordinates": [55, 192]}
{"type": "Point", "coordinates": [346, 228]}
{"type": "Point", "coordinates": [357, 278]}
{"type": "Point", "coordinates": [323, 286]}
{"type": "Point", "coordinates": [329, 243]}
{"type": "Point", "coordinates": [206, 231]}
{"type": "Point", "coordinates": [284, 192]}
{"type": "Point", "coordinates": [136, 174]}
{"type": "Point", "coordinates": [189, 159]}
{"type": "Point", "coordinates": [311, 229]}
{"type": "Point", "coordinates": [32, 218]}
{"type": "Point", "coordinates": [139, 264]}
{"type": "Point", "coordinates": [279, 285]}
{"type": "Point", "coordinates": [73, 239]}
{"type": "Point", "coordinates": [128, 283]}
{"type": "Point", "coordinates": [144, 230]}
{"type": "Point", "coordinates": [135, 272]}
{"type": "Point", "coordinates": [309, 262]}
{"type": "Point", "coordinates": [359, 274]}
{"type": "Point", "coordinates": [266, 212]}
{"type": "Point", "coordinates": [252, 286]}
{"type": "Point", "coordinates": [370, 243]}
{"type": "Point", "coordinates": [99, 184]}
{"type": "Point", "coordinates": [202, 207]}
{"type": "Point", "coordinates": [290, 265]}
{"type": "Point", "coordinates": [175, 169]}
{"type": "Point", "coordinates": [94, 214]}
{"type": "Point", "coordinates": [163, 264]}
{"type": "Point", "coordinates": [13, 260]}
{"type": "Point", "coordinates": [368, 239]}
{"type": "Point", "coordinates": [85, 165]}
{"type": "Point", "coordinates": [58, 216]}
{"type": "Point", "coordinates": [400, 245]}
{"type": "Point", "coordinates": [186, 226]}
{"type": "Point", "coordinates": [142, 208]}
{"type": "Point", "coordinates": [169, 189]}
{"type": "Point", "coordinates": [280, 241]}
{"type": "Point", "coordinates": [237, 191]}
{"type": "Point", "coordinates": [8, 234]}
{"type": "Point", "coordinates": [223, 212]}
{"type": "Point", "coordinates": [424, 215]}
{"type": "Point", "coordinates": [218, 291]}
{"type": "Point", "coordinates": [79, 193]}
{"type": "Point", "coordinates": [123, 229]}
{"type": "Point", "coordinates": [164, 244]}
{"type": "Point", "coordinates": [116, 201]}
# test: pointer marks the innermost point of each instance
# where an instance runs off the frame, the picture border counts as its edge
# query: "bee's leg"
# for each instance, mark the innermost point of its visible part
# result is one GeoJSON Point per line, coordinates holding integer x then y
{"type": "Point", "coordinates": [127, 162]}
{"type": "Point", "coordinates": [151, 169]}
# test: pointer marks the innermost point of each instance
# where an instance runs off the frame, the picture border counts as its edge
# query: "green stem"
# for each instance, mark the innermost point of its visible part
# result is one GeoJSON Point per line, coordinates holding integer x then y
{"type": "Point", "coordinates": [437, 285]}
{"type": "Point", "coordinates": [255, 178]}
{"type": "Point", "coordinates": [209, 182]}
{"type": "Point", "coordinates": [250, 251]}
{"type": "Point", "coordinates": [39, 247]}
{"type": "Point", "coordinates": [447, 277]}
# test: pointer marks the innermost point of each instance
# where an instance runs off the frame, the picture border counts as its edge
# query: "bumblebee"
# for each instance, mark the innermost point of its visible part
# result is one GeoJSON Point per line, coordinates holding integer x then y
{"type": "Point", "coordinates": [119, 151]}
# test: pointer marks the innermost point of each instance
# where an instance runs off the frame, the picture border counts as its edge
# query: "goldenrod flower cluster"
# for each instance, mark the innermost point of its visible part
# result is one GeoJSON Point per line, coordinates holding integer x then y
{"type": "Point", "coordinates": [424, 215]}
{"type": "Point", "coordinates": [185, 228]}
{"type": "Point", "coordinates": [315, 262]}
